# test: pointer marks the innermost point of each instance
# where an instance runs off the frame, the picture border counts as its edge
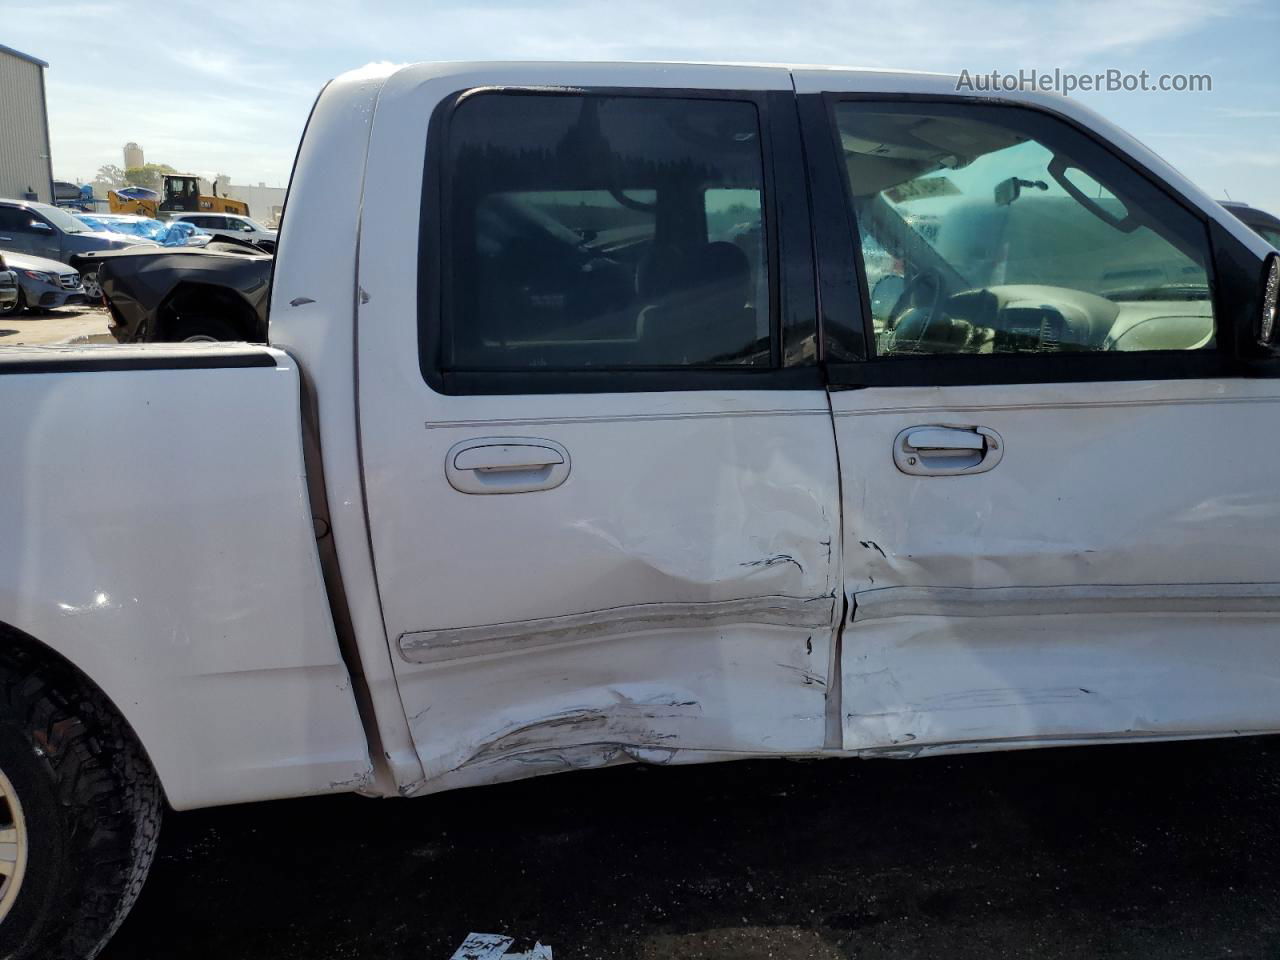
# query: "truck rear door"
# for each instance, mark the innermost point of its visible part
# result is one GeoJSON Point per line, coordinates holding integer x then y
{"type": "Point", "coordinates": [601, 477]}
{"type": "Point", "coordinates": [1059, 498]}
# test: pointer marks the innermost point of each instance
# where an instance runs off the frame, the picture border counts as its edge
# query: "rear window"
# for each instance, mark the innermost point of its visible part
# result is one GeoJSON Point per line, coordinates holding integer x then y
{"type": "Point", "coordinates": [594, 232]}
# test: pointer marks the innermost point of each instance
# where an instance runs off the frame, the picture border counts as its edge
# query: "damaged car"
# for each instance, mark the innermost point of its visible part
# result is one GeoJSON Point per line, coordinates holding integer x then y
{"type": "Point", "coordinates": [218, 292]}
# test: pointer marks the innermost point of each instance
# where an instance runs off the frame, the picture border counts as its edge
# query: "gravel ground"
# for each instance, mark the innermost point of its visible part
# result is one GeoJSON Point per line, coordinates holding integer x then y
{"type": "Point", "coordinates": [1155, 851]}
{"type": "Point", "coordinates": [62, 325]}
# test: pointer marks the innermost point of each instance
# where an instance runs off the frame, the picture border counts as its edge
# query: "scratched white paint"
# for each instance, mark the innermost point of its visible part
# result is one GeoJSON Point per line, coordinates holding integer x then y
{"type": "Point", "coordinates": [674, 498]}
{"type": "Point", "coordinates": [1117, 574]}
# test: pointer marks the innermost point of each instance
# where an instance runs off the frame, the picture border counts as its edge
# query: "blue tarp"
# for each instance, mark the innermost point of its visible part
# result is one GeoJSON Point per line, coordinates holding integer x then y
{"type": "Point", "coordinates": [176, 234]}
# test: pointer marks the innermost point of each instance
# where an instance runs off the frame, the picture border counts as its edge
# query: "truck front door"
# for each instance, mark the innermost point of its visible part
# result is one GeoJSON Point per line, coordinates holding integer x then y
{"type": "Point", "coordinates": [1061, 520]}
{"type": "Point", "coordinates": [600, 471]}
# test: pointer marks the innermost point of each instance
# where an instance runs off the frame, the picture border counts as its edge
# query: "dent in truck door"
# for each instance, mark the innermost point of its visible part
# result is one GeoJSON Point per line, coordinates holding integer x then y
{"type": "Point", "coordinates": [1053, 530]}
{"type": "Point", "coordinates": [602, 488]}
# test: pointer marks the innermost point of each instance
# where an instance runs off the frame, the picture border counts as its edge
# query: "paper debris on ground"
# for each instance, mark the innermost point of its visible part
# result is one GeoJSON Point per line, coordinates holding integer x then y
{"type": "Point", "coordinates": [494, 946]}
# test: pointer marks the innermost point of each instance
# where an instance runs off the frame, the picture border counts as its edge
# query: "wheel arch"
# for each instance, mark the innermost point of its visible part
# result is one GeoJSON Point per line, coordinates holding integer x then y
{"type": "Point", "coordinates": [193, 297]}
{"type": "Point", "coordinates": [14, 639]}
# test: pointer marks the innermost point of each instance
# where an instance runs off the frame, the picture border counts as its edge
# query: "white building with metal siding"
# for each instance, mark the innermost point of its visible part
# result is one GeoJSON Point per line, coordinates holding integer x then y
{"type": "Point", "coordinates": [26, 167]}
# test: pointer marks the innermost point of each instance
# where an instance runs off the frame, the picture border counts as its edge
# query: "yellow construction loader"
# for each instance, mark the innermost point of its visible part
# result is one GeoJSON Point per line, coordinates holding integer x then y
{"type": "Point", "coordinates": [181, 195]}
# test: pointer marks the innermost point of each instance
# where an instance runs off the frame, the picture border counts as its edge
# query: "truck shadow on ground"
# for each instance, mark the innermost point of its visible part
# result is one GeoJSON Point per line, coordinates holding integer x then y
{"type": "Point", "coordinates": [1154, 851]}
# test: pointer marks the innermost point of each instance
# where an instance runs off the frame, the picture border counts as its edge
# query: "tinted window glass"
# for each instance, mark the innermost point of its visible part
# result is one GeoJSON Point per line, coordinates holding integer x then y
{"type": "Point", "coordinates": [13, 219]}
{"type": "Point", "coordinates": [987, 231]}
{"type": "Point", "coordinates": [590, 232]}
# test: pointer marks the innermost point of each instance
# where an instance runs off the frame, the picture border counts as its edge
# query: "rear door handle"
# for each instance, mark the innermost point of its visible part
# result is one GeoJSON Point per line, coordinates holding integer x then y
{"type": "Point", "coordinates": [946, 451]}
{"type": "Point", "coordinates": [506, 465]}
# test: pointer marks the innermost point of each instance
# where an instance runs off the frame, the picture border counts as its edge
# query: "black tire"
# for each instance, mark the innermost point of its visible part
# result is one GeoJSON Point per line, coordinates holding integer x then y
{"type": "Point", "coordinates": [200, 327]}
{"type": "Point", "coordinates": [91, 806]}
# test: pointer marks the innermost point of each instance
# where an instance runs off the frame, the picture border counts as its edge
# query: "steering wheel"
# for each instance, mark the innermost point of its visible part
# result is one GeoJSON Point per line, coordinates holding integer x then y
{"type": "Point", "coordinates": [924, 288]}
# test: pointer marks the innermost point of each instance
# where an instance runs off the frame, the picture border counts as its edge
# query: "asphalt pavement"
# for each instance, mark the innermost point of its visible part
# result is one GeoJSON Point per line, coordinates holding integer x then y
{"type": "Point", "coordinates": [1155, 851]}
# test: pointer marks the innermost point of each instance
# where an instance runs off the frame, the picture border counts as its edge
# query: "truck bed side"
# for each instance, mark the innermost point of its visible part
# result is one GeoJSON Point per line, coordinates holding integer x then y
{"type": "Point", "coordinates": [156, 533]}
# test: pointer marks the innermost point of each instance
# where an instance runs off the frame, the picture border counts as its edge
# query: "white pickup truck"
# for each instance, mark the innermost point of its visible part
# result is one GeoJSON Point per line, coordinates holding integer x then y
{"type": "Point", "coordinates": [643, 413]}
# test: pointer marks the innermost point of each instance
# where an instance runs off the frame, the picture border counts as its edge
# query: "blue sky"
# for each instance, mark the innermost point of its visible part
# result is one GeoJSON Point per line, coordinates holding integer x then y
{"type": "Point", "coordinates": [225, 85]}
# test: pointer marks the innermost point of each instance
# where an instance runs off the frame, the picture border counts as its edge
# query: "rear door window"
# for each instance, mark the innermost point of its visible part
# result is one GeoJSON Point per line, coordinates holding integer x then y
{"type": "Point", "coordinates": [596, 231]}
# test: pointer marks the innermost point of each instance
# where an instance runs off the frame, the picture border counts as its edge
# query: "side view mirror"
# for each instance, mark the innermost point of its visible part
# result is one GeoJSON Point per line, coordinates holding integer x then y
{"type": "Point", "coordinates": [41, 227]}
{"type": "Point", "coordinates": [1269, 320]}
{"type": "Point", "coordinates": [886, 293]}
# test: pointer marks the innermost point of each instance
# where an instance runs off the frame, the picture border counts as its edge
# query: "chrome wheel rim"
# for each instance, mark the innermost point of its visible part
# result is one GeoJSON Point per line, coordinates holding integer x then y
{"type": "Point", "coordinates": [91, 288]}
{"type": "Point", "coordinates": [13, 845]}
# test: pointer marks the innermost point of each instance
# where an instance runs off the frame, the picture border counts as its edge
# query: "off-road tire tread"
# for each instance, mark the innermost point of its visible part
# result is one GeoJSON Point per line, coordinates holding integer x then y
{"type": "Point", "coordinates": [112, 801]}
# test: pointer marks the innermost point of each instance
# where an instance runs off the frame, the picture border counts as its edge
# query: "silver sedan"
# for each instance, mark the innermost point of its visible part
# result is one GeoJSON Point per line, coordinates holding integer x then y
{"type": "Point", "coordinates": [42, 284]}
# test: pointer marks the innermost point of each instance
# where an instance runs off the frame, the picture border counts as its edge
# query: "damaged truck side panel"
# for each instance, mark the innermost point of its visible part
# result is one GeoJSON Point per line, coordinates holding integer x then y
{"type": "Point", "coordinates": [668, 564]}
{"type": "Point", "coordinates": [1050, 598]}
{"type": "Point", "coordinates": [678, 590]}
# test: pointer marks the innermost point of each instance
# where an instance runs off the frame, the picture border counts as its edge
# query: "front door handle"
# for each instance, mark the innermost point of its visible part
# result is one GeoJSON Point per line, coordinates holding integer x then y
{"type": "Point", "coordinates": [943, 450]}
{"type": "Point", "coordinates": [506, 465]}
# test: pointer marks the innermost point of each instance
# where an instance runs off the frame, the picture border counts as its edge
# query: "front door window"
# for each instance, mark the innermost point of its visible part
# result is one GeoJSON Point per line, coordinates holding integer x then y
{"type": "Point", "coordinates": [984, 231]}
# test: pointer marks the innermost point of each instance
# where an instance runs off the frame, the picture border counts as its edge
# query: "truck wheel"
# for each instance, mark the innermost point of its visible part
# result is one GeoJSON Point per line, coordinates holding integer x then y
{"type": "Point", "coordinates": [199, 328]}
{"type": "Point", "coordinates": [80, 811]}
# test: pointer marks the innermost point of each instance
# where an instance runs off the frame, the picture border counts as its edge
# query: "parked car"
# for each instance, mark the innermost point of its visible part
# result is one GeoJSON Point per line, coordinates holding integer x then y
{"type": "Point", "coordinates": [8, 289]}
{"type": "Point", "coordinates": [219, 292]}
{"type": "Point", "coordinates": [43, 284]}
{"type": "Point", "coordinates": [240, 227]}
{"type": "Point", "coordinates": [1265, 224]}
{"type": "Point", "coordinates": [563, 489]}
{"type": "Point", "coordinates": [42, 230]}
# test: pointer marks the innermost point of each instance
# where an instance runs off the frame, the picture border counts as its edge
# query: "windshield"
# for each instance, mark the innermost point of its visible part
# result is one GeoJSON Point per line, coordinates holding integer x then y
{"type": "Point", "coordinates": [60, 219]}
